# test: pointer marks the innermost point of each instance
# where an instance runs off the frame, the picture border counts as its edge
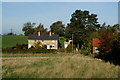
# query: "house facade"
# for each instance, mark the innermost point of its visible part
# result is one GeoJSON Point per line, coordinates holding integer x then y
{"type": "Point", "coordinates": [95, 45]}
{"type": "Point", "coordinates": [50, 41]}
{"type": "Point", "coordinates": [67, 43]}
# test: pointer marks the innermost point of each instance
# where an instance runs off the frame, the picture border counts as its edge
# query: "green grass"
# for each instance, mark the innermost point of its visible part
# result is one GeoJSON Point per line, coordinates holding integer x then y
{"type": "Point", "coordinates": [62, 41]}
{"type": "Point", "coordinates": [12, 40]}
{"type": "Point", "coordinates": [68, 66]}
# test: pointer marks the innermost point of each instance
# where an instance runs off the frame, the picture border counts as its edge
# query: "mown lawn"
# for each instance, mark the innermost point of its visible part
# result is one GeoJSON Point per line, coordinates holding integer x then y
{"type": "Point", "coordinates": [12, 40]}
{"type": "Point", "coordinates": [56, 66]}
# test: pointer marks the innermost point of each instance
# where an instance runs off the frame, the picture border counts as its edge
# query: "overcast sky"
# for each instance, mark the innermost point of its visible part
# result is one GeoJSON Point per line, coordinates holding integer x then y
{"type": "Point", "coordinates": [15, 14]}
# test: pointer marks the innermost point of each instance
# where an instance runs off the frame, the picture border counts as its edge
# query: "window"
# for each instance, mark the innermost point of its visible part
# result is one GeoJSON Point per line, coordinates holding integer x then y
{"type": "Point", "coordinates": [53, 45]}
{"type": "Point", "coordinates": [50, 46]}
{"type": "Point", "coordinates": [53, 41]}
{"type": "Point", "coordinates": [96, 48]}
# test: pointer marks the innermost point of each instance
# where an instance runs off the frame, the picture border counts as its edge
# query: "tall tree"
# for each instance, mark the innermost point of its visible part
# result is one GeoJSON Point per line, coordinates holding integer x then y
{"type": "Point", "coordinates": [40, 28]}
{"type": "Point", "coordinates": [58, 28]}
{"type": "Point", "coordinates": [110, 44]}
{"type": "Point", "coordinates": [81, 25]}
{"type": "Point", "coordinates": [117, 27]}
{"type": "Point", "coordinates": [28, 28]}
{"type": "Point", "coordinates": [107, 39]}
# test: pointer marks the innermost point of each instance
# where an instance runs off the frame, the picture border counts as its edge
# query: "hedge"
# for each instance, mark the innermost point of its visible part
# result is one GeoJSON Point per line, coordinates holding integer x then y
{"type": "Point", "coordinates": [9, 50]}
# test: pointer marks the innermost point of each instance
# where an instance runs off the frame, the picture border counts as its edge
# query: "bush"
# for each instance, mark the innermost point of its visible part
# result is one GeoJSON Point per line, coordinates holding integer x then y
{"type": "Point", "coordinates": [37, 45]}
{"type": "Point", "coordinates": [69, 48]}
{"type": "Point", "coordinates": [61, 50]}
{"type": "Point", "coordinates": [62, 38]}
{"type": "Point", "coordinates": [20, 46]}
{"type": "Point", "coordinates": [86, 50]}
{"type": "Point", "coordinates": [32, 50]}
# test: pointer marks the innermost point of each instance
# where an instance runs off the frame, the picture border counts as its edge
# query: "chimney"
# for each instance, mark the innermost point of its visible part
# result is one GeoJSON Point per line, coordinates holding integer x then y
{"type": "Point", "coordinates": [50, 33]}
{"type": "Point", "coordinates": [39, 33]}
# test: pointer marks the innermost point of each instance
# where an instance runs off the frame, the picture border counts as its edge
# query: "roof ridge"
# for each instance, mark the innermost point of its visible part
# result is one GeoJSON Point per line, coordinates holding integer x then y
{"type": "Point", "coordinates": [43, 37]}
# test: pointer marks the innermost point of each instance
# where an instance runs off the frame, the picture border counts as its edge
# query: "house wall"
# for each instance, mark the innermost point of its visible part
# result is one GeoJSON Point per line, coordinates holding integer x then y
{"type": "Point", "coordinates": [67, 43]}
{"type": "Point", "coordinates": [96, 44]}
{"type": "Point", "coordinates": [95, 50]}
{"type": "Point", "coordinates": [30, 43]}
{"type": "Point", "coordinates": [49, 43]}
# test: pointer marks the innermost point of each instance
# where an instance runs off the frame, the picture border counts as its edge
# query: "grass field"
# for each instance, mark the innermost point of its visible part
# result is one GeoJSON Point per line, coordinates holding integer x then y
{"type": "Point", "coordinates": [12, 40]}
{"type": "Point", "coordinates": [65, 65]}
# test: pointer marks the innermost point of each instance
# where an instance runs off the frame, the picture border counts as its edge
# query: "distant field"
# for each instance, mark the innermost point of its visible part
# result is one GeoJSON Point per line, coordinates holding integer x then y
{"type": "Point", "coordinates": [56, 66]}
{"type": "Point", "coordinates": [12, 40]}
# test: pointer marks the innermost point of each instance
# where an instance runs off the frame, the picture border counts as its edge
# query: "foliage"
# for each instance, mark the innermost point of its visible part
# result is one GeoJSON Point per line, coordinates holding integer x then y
{"type": "Point", "coordinates": [81, 25]}
{"type": "Point", "coordinates": [20, 46]}
{"type": "Point", "coordinates": [61, 50]}
{"type": "Point", "coordinates": [61, 40]}
{"type": "Point", "coordinates": [115, 52]}
{"type": "Point", "coordinates": [94, 34]}
{"type": "Point", "coordinates": [40, 28]}
{"type": "Point", "coordinates": [107, 39]}
{"type": "Point", "coordinates": [28, 28]}
{"type": "Point", "coordinates": [26, 51]}
{"type": "Point", "coordinates": [70, 48]}
{"type": "Point", "coordinates": [37, 45]}
{"type": "Point", "coordinates": [110, 44]}
{"type": "Point", "coordinates": [58, 28]}
{"type": "Point", "coordinates": [87, 49]}
{"type": "Point", "coordinates": [11, 33]}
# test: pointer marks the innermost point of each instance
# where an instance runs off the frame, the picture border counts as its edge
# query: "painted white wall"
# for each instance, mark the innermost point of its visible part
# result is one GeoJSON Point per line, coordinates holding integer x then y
{"type": "Point", "coordinates": [29, 46]}
{"type": "Point", "coordinates": [65, 45]}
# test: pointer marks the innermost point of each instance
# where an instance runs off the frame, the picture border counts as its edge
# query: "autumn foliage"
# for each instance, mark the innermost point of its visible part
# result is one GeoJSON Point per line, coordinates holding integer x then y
{"type": "Point", "coordinates": [107, 39]}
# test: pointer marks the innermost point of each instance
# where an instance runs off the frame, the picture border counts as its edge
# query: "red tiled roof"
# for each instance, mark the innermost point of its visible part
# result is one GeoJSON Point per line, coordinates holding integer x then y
{"type": "Point", "coordinates": [96, 42]}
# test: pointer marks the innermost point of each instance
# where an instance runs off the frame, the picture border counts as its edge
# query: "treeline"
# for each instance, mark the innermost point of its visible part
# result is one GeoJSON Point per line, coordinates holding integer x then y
{"type": "Point", "coordinates": [56, 28]}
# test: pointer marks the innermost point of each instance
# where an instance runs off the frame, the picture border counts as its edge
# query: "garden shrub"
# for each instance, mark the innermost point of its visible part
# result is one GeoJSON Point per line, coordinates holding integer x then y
{"type": "Point", "coordinates": [32, 50]}
{"type": "Point", "coordinates": [69, 48]}
{"type": "Point", "coordinates": [61, 50]}
{"type": "Point", "coordinates": [86, 50]}
{"type": "Point", "coordinates": [62, 38]}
